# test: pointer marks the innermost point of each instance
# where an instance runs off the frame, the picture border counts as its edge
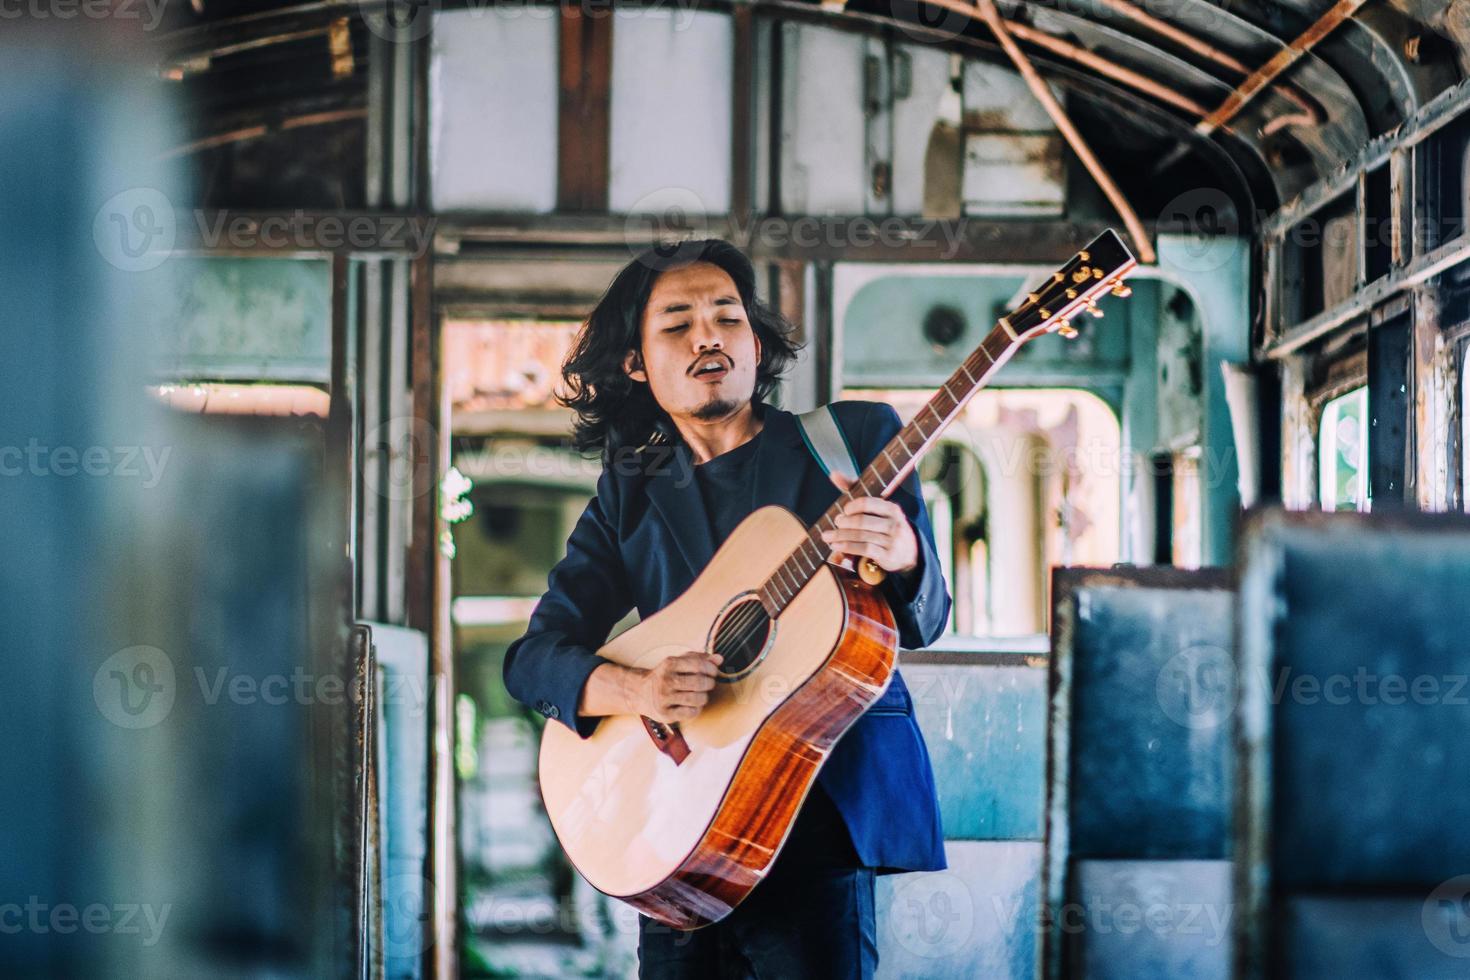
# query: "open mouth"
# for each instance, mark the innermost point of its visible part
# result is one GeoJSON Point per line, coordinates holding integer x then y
{"type": "Point", "coordinates": [713, 371]}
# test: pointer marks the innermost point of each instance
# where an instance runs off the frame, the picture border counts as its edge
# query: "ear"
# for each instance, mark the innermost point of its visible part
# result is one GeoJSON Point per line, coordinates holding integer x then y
{"type": "Point", "coordinates": [633, 367]}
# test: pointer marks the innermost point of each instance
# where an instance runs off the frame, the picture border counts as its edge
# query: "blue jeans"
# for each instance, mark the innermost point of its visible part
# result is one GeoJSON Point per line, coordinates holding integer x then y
{"type": "Point", "coordinates": [812, 918]}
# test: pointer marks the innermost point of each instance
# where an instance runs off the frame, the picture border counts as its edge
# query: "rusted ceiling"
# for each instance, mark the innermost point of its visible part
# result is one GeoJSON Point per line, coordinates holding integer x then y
{"type": "Point", "coordinates": [1156, 85]}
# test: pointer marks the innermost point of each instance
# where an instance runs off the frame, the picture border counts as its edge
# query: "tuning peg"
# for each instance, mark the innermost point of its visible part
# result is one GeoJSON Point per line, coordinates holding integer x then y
{"type": "Point", "coordinates": [1095, 310]}
{"type": "Point", "coordinates": [1065, 328]}
{"type": "Point", "coordinates": [1121, 290]}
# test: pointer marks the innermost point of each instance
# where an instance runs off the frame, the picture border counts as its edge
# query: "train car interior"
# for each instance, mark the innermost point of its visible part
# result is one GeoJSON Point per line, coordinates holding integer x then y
{"type": "Point", "coordinates": [309, 274]}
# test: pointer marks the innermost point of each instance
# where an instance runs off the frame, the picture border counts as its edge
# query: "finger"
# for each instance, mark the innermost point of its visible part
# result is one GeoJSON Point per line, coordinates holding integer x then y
{"type": "Point", "coordinates": [841, 481]}
{"type": "Point", "coordinates": [695, 663]}
{"type": "Point", "coordinates": [694, 682]}
{"type": "Point", "coordinates": [873, 505]}
{"type": "Point", "coordinates": [850, 536]}
{"type": "Point", "coordinates": [866, 549]}
{"type": "Point", "coordinates": [688, 699]}
{"type": "Point", "coordinates": [871, 522]}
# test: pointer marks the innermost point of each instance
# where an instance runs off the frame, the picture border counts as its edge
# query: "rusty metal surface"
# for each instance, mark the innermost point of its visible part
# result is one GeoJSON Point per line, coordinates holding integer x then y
{"type": "Point", "coordinates": [1339, 798]}
{"type": "Point", "coordinates": [1376, 69]}
{"type": "Point", "coordinates": [1209, 584]}
{"type": "Point", "coordinates": [1263, 76]}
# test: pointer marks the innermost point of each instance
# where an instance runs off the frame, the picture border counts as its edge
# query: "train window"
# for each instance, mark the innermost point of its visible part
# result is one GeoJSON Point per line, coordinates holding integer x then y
{"type": "Point", "coordinates": [1377, 223]}
{"type": "Point", "coordinates": [1464, 426]}
{"type": "Point", "coordinates": [493, 72]}
{"type": "Point", "coordinates": [1320, 259]}
{"type": "Point", "coordinates": [669, 145]}
{"type": "Point", "coordinates": [1443, 161]}
{"type": "Point", "coordinates": [1022, 481]}
{"type": "Point", "coordinates": [245, 320]}
{"type": "Point", "coordinates": [1342, 452]}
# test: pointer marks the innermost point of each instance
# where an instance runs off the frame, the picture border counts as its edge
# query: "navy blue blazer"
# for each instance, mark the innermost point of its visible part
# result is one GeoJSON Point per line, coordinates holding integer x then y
{"type": "Point", "coordinates": [640, 544]}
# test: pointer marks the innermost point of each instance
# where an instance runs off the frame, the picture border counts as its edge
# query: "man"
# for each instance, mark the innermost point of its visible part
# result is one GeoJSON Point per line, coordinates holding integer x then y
{"type": "Point", "coordinates": [676, 360]}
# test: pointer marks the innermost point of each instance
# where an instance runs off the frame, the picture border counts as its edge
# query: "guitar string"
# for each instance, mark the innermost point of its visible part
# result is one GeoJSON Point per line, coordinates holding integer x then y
{"type": "Point", "coordinates": [749, 622]}
{"type": "Point", "coordinates": [746, 623]}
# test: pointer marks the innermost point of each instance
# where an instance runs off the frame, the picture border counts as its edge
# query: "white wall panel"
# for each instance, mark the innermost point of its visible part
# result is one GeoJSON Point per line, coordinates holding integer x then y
{"type": "Point", "coordinates": [823, 169]}
{"type": "Point", "coordinates": [493, 109]}
{"type": "Point", "coordinates": [671, 111]}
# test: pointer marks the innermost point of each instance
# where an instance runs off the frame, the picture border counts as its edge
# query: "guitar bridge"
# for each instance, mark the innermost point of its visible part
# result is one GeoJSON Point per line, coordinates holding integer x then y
{"type": "Point", "coordinates": [667, 738]}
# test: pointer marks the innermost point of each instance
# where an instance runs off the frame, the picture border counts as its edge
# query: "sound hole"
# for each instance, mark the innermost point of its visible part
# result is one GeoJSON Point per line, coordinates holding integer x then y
{"type": "Point", "coordinates": [740, 638]}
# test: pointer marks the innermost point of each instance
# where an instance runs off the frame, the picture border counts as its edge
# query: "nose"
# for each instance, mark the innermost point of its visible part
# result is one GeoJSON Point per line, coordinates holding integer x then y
{"type": "Point", "coordinates": [705, 336]}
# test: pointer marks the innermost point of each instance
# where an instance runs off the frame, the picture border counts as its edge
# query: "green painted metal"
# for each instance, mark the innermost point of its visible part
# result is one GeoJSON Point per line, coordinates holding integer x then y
{"type": "Point", "coordinates": [245, 319]}
{"type": "Point", "coordinates": [985, 728]}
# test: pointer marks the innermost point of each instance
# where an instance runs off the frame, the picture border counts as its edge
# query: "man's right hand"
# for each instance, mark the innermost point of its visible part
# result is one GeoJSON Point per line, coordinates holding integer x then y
{"type": "Point", "coordinates": [678, 688]}
{"type": "Point", "coordinates": [675, 690]}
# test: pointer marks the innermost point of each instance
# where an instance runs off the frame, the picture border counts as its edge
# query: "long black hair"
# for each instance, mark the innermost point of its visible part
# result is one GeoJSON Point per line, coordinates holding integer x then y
{"type": "Point", "coordinates": [612, 410]}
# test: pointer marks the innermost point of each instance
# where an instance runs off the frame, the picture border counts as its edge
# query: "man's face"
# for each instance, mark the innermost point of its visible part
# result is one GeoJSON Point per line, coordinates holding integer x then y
{"type": "Point", "coordinates": [694, 319]}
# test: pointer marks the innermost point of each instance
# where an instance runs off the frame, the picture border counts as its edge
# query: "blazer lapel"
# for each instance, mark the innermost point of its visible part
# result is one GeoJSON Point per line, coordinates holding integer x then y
{"type": "Point", "coordinates": [781, 462]}
{"type": "Point", "coordinates": [675, 495]}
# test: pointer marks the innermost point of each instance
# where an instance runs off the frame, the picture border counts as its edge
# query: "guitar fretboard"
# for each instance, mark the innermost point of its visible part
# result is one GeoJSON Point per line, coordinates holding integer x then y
{"type": "Point", "coordinates": [891, 466]}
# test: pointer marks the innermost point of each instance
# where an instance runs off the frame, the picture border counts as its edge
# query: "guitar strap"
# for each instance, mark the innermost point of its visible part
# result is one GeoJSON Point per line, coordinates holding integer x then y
{"type": "Point", "coordinates": [826, 441]}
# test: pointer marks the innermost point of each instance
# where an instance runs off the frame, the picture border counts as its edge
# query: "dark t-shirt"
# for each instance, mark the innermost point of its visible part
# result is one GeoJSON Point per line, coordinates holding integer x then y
{"type": "Point", "coordinates": [819, 837]}
{"type": "Point", "coordinates": [727, 486]}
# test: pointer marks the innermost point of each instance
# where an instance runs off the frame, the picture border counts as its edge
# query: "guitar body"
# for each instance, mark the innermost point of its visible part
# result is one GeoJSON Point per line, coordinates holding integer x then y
{"type": "Point", "coordinates": [681, 822]}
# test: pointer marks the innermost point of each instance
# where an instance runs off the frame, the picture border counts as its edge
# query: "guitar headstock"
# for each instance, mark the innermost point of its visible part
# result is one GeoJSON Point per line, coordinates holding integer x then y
{"type": "Point", "coordinates": [1099, 268]}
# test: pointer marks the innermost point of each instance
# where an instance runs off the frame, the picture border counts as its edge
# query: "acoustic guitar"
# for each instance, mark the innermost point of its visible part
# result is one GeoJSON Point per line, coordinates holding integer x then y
{"type": "Point", "coordinates": [682, 820]}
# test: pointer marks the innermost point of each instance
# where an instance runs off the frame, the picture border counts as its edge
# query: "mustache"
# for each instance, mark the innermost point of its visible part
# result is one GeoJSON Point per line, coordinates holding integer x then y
{"type": "Point", "coordinates": [729, 361]}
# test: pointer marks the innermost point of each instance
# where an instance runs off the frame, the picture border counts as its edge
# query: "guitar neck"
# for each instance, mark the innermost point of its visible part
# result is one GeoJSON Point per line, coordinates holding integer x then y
{"type": "Point", "coordinates": [1074, 287]}
{"type": "Point", "coordinates": [902, 453]}
{"type": "Point", "coordinates": [894, 462]}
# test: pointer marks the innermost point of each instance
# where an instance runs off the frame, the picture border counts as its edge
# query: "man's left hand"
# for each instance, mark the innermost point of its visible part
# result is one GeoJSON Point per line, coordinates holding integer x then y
{"type": "Point", "coordinates": [876, 528]}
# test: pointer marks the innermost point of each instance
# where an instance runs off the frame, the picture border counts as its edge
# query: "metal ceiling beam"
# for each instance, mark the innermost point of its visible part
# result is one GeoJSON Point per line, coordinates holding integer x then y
{"type": "Point", "coordinates": [1259, 80]}
{"type": "Point", "coordinates": [1063, 122]}
{"type": "Point", "coordinates": [1106, 68]}
{"type": "Point", "coordinates": [1208, 51]}
{"type": "Point", "coordinates": [1101, 91]}
{"type": "Point", "coordinates": [1445, 108]}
